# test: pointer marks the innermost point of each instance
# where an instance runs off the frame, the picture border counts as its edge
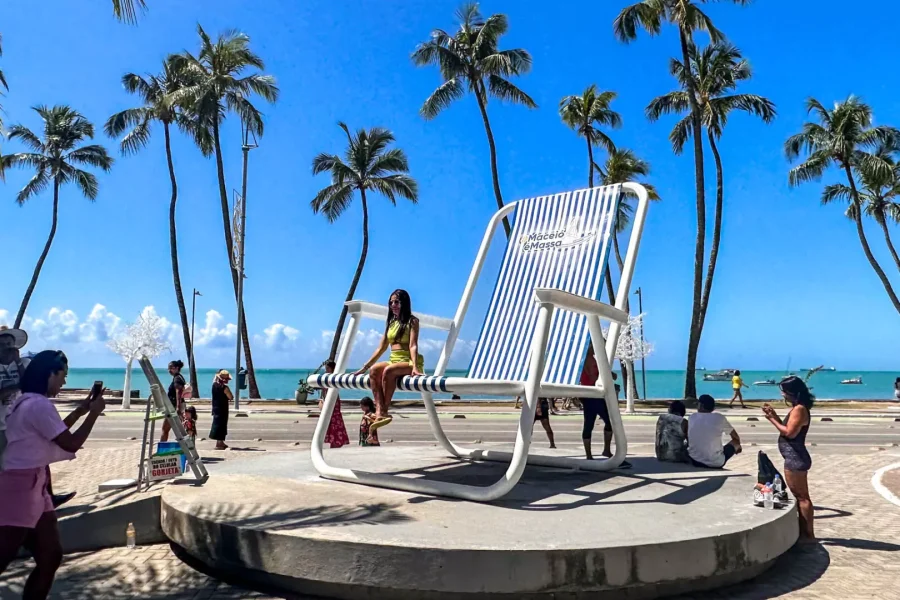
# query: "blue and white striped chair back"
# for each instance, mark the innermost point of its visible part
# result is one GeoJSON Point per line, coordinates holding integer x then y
{"type": "Point", "coordinates": [560, 241]}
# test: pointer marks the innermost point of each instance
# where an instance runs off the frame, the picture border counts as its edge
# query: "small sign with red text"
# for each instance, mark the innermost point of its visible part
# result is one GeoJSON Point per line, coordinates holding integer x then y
{"type": "Point", "coordinates": [165, 467]}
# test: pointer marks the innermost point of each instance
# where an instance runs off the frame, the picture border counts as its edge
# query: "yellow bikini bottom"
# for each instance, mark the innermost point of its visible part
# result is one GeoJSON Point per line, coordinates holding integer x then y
{"type": "Point", "coordinates": [399, 356]}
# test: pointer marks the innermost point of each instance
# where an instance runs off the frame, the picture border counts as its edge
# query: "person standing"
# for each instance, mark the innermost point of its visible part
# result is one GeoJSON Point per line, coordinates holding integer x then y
{"type": "Point", "coordinates": [792, 445]}
{"type": "Point", "coordinates": [542, 414]}
{"type": "Point", "coordinates": [221, 401]}
{"type": "Point", "coordinates": [705, 430]}
{"type": "Point", "coordinates": [37, 436]}
{"type": "Point", "coordinates": [596, 407]}
{"type": "Point", "coordinates": [336, 436]}
{"type": "Point", "coordinates": [897, 388]}
{"type": "Point", "coordinates": [176, 396]}
{"type": "Point", "coordinates": [737, 384]}
{"type": "Point", "coordinates": [11, 371]}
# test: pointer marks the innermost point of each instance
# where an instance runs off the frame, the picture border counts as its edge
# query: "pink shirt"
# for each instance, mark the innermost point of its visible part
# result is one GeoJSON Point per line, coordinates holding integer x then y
{"type": "Point", "coordinates": [31, 426]}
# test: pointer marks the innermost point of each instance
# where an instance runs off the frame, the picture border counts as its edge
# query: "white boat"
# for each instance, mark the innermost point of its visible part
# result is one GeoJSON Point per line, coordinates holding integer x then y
{"type": "Point", "coordinates": [852, 381]}
{"type": "Point", "coordinates": [766, 382]}
{"type": "Point", "coordinates": [723, 375]}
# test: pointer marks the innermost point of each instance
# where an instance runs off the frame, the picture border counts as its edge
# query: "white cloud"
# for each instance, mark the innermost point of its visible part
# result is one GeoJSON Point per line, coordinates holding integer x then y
{"type": "Point", "coordinates": [279, 337]}
{"type": "Point", "coordinates": [5, 319]}
{"type": "Point", "coordinates": [216, 334]}
{"type": "Point", "coordinates": [100, 325]}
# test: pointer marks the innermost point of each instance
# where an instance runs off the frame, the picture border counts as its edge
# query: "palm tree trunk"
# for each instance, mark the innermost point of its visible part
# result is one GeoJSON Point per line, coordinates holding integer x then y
{"type": "Point", "coordinates": [226, 221]}
{"type": "Point", "coordinates": [40, 262]}
{"type": "Point", "coordinates": [690, 379]}
{"type": "Point", "coordinates": [359, 269]}
{"type": "Point", "coordinates": [890, 243]}
{"type": "Point", "coordinates": [857, 218]}
{"type": "Point", "coordinates": [590, 162]}
{"type": "Point", "coordinates": [176, 275]}
{"type": "Point", "coordinates": [717, 231]}
{"type": "Point", "coordinates": [479, 91]}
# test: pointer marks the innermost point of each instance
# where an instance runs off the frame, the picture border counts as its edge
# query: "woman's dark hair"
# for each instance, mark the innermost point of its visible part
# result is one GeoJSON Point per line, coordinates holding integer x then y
{"type": "Point", "coordinates": [405, 312]}
{"type": "Point", "coordinates": [330, 364]}
{"type": "Point", "coordinates": [738, 372]}
{"type": "Point", "coordinates": [367, 402]}
{"type": "Point", "coordinates": [796, 388]}
{"type": "Point", "coordinates": [177, 364]}
{"type": "Point", "coordinates": [677, 408]}
{"type": "Point", "coordinates": [42, 366]}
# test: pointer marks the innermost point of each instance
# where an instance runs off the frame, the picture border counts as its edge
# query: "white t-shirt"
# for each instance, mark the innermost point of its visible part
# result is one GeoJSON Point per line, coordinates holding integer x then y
{"type": "Point", "coordinates": [705, 438]}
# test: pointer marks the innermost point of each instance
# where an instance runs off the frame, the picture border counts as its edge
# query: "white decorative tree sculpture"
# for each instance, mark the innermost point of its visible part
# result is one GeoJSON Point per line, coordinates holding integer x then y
{"type": "Point", "coordinates": [629, 349]}
{"type": "Point", "coordinates": [141, 338]}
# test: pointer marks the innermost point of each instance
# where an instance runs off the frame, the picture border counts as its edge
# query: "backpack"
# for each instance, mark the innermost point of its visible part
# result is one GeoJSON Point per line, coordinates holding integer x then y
{"type": "Point", "coordinates": [766, 470]}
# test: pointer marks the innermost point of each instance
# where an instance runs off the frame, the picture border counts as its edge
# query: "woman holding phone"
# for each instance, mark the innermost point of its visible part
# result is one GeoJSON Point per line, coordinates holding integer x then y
{"type": "Point", "coordinates": [37, 437]}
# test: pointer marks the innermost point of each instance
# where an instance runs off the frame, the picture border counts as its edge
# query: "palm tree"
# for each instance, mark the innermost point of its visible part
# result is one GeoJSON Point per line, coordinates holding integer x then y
{"type": "Point", "coordinates": [470, 60]}
{"type": "Point", "coordinates": [368, 164]}
{"type": "Point", "coordinates": [581, 113]}
{"type": "Point", "coordinates": [880, 192]}
{"type": "Point", "coordinates": [714, 74]}
{"type": "Point", "coordinates": [688, 18]}
{"type": "Point", "coordinates": [127, 10]}
{"type": "Point", "coordinates": [839, 138]}
{"type": "Point", "coordinates": [219, 86]}
{"type": "Point", "coordinates": [53, 159]}
{"type": "Point", "coordinates": [156, 93]}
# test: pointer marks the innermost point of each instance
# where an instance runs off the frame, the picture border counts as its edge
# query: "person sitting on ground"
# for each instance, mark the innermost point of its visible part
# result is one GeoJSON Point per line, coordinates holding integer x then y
{"type": "Point", "coordinates": [705, 429]}
{"type": "Point", "coordinates": [671, 434]}
{"type": "Point", "coordinates": [596, 407]}
{"type": "Point", "coordinates": [736, 384]}
{"type": "Point", "coordinates": [367, 435]}
{"type": "Point", "coordinates": [401, 333]}
{"type": "Point", "coordinates": [37, 436]}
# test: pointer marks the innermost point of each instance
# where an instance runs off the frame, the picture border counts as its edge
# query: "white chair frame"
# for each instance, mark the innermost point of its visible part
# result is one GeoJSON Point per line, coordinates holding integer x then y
{"type": "Point", "coordinates": [532, 388]}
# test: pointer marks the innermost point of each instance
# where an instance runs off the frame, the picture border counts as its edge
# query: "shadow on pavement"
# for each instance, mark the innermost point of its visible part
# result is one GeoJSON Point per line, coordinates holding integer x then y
{"type": "Point", "coordinates": [858, 544]}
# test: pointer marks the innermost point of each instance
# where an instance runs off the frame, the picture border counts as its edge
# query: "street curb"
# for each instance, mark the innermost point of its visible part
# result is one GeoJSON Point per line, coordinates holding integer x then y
{"type": "Point", "coordinates": [880, 487]}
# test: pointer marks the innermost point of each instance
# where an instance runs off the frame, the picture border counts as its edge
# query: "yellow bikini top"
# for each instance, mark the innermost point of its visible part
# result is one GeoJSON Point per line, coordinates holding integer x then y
{"type": "Point", "coordinates": [392, 332]}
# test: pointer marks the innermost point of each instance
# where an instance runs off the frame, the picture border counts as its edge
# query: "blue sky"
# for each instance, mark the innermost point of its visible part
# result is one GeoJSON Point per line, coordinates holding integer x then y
{"type": "Point", "coordinates": [792, 280]}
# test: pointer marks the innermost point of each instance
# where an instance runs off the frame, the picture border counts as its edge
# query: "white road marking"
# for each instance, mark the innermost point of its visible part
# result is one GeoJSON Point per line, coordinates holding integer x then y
{"type": "Point", "coordinates": [880, 487]}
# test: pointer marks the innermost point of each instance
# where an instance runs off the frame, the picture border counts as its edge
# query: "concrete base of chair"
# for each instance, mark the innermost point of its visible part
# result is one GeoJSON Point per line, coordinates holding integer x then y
{"type": "Point", "coordinates": [650, 531]}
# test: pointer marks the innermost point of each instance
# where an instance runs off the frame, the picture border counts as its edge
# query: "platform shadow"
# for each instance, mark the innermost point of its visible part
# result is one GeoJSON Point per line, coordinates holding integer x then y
{"type": "Point", "coordinates": [796, 569]}
{"type": "Point", "coordinates": [274, 518]}
{"type": "Point", "coordinates": [549, 489]}
{"type": "Point", "coordinates": [858, 544]}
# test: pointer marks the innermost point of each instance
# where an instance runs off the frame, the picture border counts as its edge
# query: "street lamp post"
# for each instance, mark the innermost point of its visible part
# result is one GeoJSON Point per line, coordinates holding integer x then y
{"type": "Point", "coordinates": [240, 232]}
{"type": "Point", "coordinates": [640, 296]}
{"type": "Point", "coordinates": [193, 366]}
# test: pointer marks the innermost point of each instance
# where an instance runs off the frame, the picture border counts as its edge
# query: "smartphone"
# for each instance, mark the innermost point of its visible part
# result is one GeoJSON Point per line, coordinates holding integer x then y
{"type": "Point", "coordinates": [96, 390]}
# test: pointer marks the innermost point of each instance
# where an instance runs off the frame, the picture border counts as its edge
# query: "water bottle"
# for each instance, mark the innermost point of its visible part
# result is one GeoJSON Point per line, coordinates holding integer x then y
{"type": "Point", "coordinates": [777, 485]}
{"type": "Point", "coordinates": [130, 537]}
{"type": "Point", "coordinates": [768, 497]}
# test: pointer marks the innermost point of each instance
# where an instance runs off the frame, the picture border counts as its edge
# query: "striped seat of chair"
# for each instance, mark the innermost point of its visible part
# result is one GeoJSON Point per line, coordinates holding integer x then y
{"type": "Point", "coordinates": [560, 241]}
{"type": "Point", "coordinates": [349, 381]}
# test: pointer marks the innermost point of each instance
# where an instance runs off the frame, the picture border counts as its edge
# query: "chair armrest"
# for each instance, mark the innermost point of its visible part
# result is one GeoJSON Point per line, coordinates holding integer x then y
{"type": "Point", "coordinates": [580, 304]}
{"type": "Point", "coordinates": [376, 311]}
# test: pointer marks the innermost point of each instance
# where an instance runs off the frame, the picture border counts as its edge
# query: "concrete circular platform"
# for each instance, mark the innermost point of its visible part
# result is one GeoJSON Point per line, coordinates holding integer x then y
{"type": "Point", "coordinates": [647, 532]}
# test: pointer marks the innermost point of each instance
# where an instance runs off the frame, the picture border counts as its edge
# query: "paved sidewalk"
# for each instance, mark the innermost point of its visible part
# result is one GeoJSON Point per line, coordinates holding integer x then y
{"type": "Point", "coordinates": [859, 556]}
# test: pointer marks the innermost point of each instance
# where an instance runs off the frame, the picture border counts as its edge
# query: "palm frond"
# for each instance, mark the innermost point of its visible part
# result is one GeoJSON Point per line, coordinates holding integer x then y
{"type": "Point", "coordinates": [119, 122]}
{"type": "Point", "coordinates": [333, 200]}
{"type": "Point", "coordinates": [506, 91]}
{"type": "Point", "coordinates": [811, 169]}
{"type": "Point", "coordinates": [394, 160]}
{"type": "Point", "coordinates": [399, 184]}
{"type": "Point", "coordinates": [127, 10]}
{"type": "Point", "coordinates": [680, 134]}
{"type": "Point", "coordinates": [647, 15]}
{"type": "Point", "coordinates": [667, 104]}
{"type": "Point", "coordinates": [35, 186]}
{"type": "Point", "coordinates": [93, 155]}
{"type": "Point", "coordinates": [86, 182]}
{"type": "Point", "coordinates": [441, 98]}
{"type": "Point", "coordinates": [836, 192]}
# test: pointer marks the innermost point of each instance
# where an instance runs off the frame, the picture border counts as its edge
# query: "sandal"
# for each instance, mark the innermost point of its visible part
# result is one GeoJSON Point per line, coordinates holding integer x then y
{"type": "Point", "coordinates": [379, 423]}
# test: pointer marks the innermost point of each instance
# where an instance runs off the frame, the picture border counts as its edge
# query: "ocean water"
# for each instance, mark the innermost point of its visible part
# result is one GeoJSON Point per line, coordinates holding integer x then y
{"type": "Point", "coordinates": [281, 383]}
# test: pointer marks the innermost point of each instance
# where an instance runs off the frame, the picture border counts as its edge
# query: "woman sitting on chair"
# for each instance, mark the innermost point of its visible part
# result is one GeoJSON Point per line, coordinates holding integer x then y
{"type": "Point", "coordinates": [401, 333]}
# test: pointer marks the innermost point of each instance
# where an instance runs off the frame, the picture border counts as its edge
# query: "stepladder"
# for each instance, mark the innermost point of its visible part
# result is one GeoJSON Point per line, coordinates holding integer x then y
{"type": "Point", "coordinates": [160, 465]}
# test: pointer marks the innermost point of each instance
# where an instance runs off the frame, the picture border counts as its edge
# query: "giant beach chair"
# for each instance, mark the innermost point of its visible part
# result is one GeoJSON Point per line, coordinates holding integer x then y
{"type": "Point", "coordinates": [542, 315]}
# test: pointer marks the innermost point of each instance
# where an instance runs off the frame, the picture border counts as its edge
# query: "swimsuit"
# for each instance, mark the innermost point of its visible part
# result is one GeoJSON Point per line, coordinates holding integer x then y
{"type": "Point", "coordinates": [402, 355]}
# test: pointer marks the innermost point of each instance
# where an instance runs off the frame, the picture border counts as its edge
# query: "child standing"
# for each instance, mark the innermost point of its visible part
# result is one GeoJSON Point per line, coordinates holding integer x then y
{"type": "Point", "coordinates": [736, 384]}
{"type": "Point", "coordinates": [367, 435]}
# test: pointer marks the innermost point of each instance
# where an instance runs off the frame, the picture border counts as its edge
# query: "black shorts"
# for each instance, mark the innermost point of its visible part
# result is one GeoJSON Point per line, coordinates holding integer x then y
{"type": "Point", "coordinates": [544, 403]}
{"type": "Point", "coordinates": [593, 408]}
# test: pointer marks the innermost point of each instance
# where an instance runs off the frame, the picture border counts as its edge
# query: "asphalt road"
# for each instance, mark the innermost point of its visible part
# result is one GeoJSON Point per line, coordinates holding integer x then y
{"type": "Point", "coordinates": [278, 431]}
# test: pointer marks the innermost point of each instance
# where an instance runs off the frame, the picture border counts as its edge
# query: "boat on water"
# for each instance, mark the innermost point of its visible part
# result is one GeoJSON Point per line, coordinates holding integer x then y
{"type": "Point", "coordinates": [852, 381]}
{"type": "Point", "coordinates": [723, 375]}
{"type": "Point", "coordinates": [832, 369]}
{"type": "Point", "coordinates": [766, 382]}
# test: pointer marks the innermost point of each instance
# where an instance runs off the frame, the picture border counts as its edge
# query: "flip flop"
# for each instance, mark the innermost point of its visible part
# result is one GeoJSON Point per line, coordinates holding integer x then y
{"type": "Point", "coordinates": [380, 423]}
